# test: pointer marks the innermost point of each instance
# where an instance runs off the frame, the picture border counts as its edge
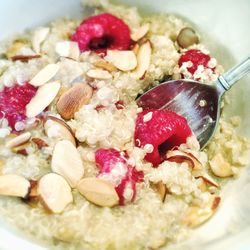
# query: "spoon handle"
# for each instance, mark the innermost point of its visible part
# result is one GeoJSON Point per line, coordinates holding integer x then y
{"type": "Point", "coordinates": [226, 81]}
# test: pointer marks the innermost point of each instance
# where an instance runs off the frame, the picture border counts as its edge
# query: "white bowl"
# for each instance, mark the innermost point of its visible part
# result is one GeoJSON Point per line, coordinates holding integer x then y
{"type": "Point", "coordinates": [224, 25]}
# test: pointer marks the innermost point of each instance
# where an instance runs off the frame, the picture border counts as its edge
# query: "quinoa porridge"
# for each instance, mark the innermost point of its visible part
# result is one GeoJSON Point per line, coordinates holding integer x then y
{"type": "Point", "coordinates": [82, 166]}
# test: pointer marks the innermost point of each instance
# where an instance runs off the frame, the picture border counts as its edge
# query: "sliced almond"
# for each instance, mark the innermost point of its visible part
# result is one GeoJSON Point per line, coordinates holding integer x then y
{"type": "Point", "coordinates": [21, 149]}
{"type": "Point", "coordinates": [99, 192]}
{"type": "Point", "coordinates": [58, 129]}
{"type": "Point", "coordinates": [105, 65]}
{"type": "Point", "coordinates": [33, 188]}
{"type": "Point", "coordinates": [24, 58]}
{"type": "Point", "coordinates": [38, 37]}
{"type": "Point", "coordinates": [18, 140]}
{"type": "Point", "coordinates": [99, 74]}
{"type": "Point", "coordinates": [196, 215]}
{"type": "Point", "coordinates": [220, 167]}
{"type": "Point", "coordinates": [68, 49]}
{"type": "Point", "coordinates": [209, 180]}
{"type": "Point", "coordinates": [73, 99]}
{"type": "Point", "coordinates": [46, 74]}
{"type": "Point", "coordinates": [161, 189]}
{"type": "Point", "coordinates": [136, 48]}
{"type": "Point", "coordinates": [180, 157]}
{"type": "Point", "coordinates": [40, 143]}
{"type": "Point", "coordinates": [55, 192]}
{"type": "Point", "coordinates": [124, 60]}
{"type": "Point", "coordinates": [67, 162]}
{"type": "Point", "coordinates": [143, 60]}
{"type": "Point", "coordinates": [14, 185]}
{"type": "Point", "coordinates": [42, 99]}
{"type": "Point", "coordinates": [140, 32]}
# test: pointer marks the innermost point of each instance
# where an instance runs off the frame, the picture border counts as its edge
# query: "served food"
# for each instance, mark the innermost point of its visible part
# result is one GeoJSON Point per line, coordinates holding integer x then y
{"type": "Point", "coordinates": [82, 166]}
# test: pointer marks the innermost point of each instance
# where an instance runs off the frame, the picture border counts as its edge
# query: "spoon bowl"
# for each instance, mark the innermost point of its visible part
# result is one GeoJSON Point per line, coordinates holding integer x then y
{"type": "Point", "coordinates": [199, 103]}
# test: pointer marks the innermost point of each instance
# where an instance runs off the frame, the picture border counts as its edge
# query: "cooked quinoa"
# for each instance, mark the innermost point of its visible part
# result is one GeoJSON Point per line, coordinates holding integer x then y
{"type": "Point", "coordinates": [149, 222]}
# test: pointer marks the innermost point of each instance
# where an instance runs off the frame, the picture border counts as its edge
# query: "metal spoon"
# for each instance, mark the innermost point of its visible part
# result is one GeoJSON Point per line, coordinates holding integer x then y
{"type": "Point", "coordinates": [200, 104]}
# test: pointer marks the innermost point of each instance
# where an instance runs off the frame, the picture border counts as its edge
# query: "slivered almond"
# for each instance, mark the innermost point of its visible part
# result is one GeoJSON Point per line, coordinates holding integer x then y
{"type": "Point", "coordinates": [180, 156]}
{"type": "Point", "coordinates": [14, 185]}
{"type": "Point", "coordinates": [55, 192]}
{"type": "Point", "coordinates": [105, 65]}
{"type": "Point", "coordinates": [196, 216]}
{"type": "Point", "coordinates": [43, 76]}
{"type": "Point", "coordinates": [143, 60]}
{"type": "Point", "coordinates": [58, 129]}
{"type": "Point", "coordinates": [73, 99]}
{"type": "Point", "coordinates": [68, 49]}
{"type": "Point", "coordinates": [99, 74]}
{"type": "Point", "coordinates": [99, 192]}
{"type": "Point", "coordinates": [140, 32]}
{"type": "Point", "coordinates": [124, 60]}
{"type": "Point", "coordinates": [18, 140]}
{"type": "Point", "coordinates": [67, 162]}
{"type": "Point", "coordinates": [42, 99]}
{"type": "Point", "coordinates": [38, 37]}
{"type": "Point", "coordinates": [220, 167]}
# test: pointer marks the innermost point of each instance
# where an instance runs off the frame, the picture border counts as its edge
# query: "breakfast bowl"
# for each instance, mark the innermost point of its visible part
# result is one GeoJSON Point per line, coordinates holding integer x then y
{"type": "Point", "coordinates": [221, 28]}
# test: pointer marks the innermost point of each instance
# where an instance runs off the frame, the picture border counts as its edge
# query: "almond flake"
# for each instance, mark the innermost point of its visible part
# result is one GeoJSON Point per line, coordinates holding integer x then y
{"type": "Point", "coordinates": [209, 180]}
{"type": "Point", "coordinates": [99, 74]}
{"type": "Point", "coordinates": [105, 65]}
{"type": "Point", "coordinates": [14, 185]}
{"type": "Point", "coordinates": [43, 76]}
{"type": "Point", "coordinates": [73, 99]}
{"type": "Point", "coordinates": [24, 58]}
{"type": "Point", "coordinates": [180, 157]}
{"type": "Point", "coordinates": [140, 32]}
{"type": "Point", "coordinates": [124, 60]}
{"type": "Point", "coordinates": [68, 49]}
{"type": "Point", "coordinates": [143, 60]}
{"type": "Point", "coordinates": [220, 167]}
{"type": "Point", "coordinates": [58, 129]}
{"type": "Point", "coordinates": [196, 216]}
{"type": "Point", "coordinates": [55, 192]}
{"type": "Point", "coordinates": [161, 189]}
{"type": "Point", "coordinates": [98, 191]}
{"type": "Point", "coordinates": [67, 162]}
{"type": "Point", "coordinates": [38, 37]}
{"type": "Point", "coordinates": [18, 140]}
{"type": "Point", "coordinates": [42, 99]}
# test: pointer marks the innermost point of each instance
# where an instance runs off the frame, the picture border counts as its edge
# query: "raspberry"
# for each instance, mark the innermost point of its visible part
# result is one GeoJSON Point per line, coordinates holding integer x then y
{"type": "Point", "coordinates": [13, 101]}
{"type": "Point", "coordinates": [196, 57]}
{"type": "Point", "coordinates": [101, 32]}
{"type": "Point", "coordinates": [115, 168]}
{"type": "Point", "coordinates": [163, 131]}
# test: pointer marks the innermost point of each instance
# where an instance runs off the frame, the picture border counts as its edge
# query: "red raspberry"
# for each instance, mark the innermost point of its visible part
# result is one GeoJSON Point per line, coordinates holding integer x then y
{"type": "Point", "coordinates": [102, 32]}
{"type": "Point", "coordinates": [196, 57]}
{"type": "Point", "coordinates": [115, 168]}
{"type": "Point", "coordinates": [164, 131]}
{"type": "Point", "coordinates": [13, 101]}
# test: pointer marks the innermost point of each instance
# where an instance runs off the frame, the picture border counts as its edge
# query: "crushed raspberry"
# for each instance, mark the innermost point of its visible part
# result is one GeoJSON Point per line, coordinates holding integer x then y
{"type": "Point", "coordinates": [101, 32]}
{"type": "Point", "coordinates": [13, 101]}
{"type": "Point", "coordinates": [115, 168]}
{"type": "Point", "coordinates": [196, 57]}
{"type": "Point", "coordinates": [163, 131]}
